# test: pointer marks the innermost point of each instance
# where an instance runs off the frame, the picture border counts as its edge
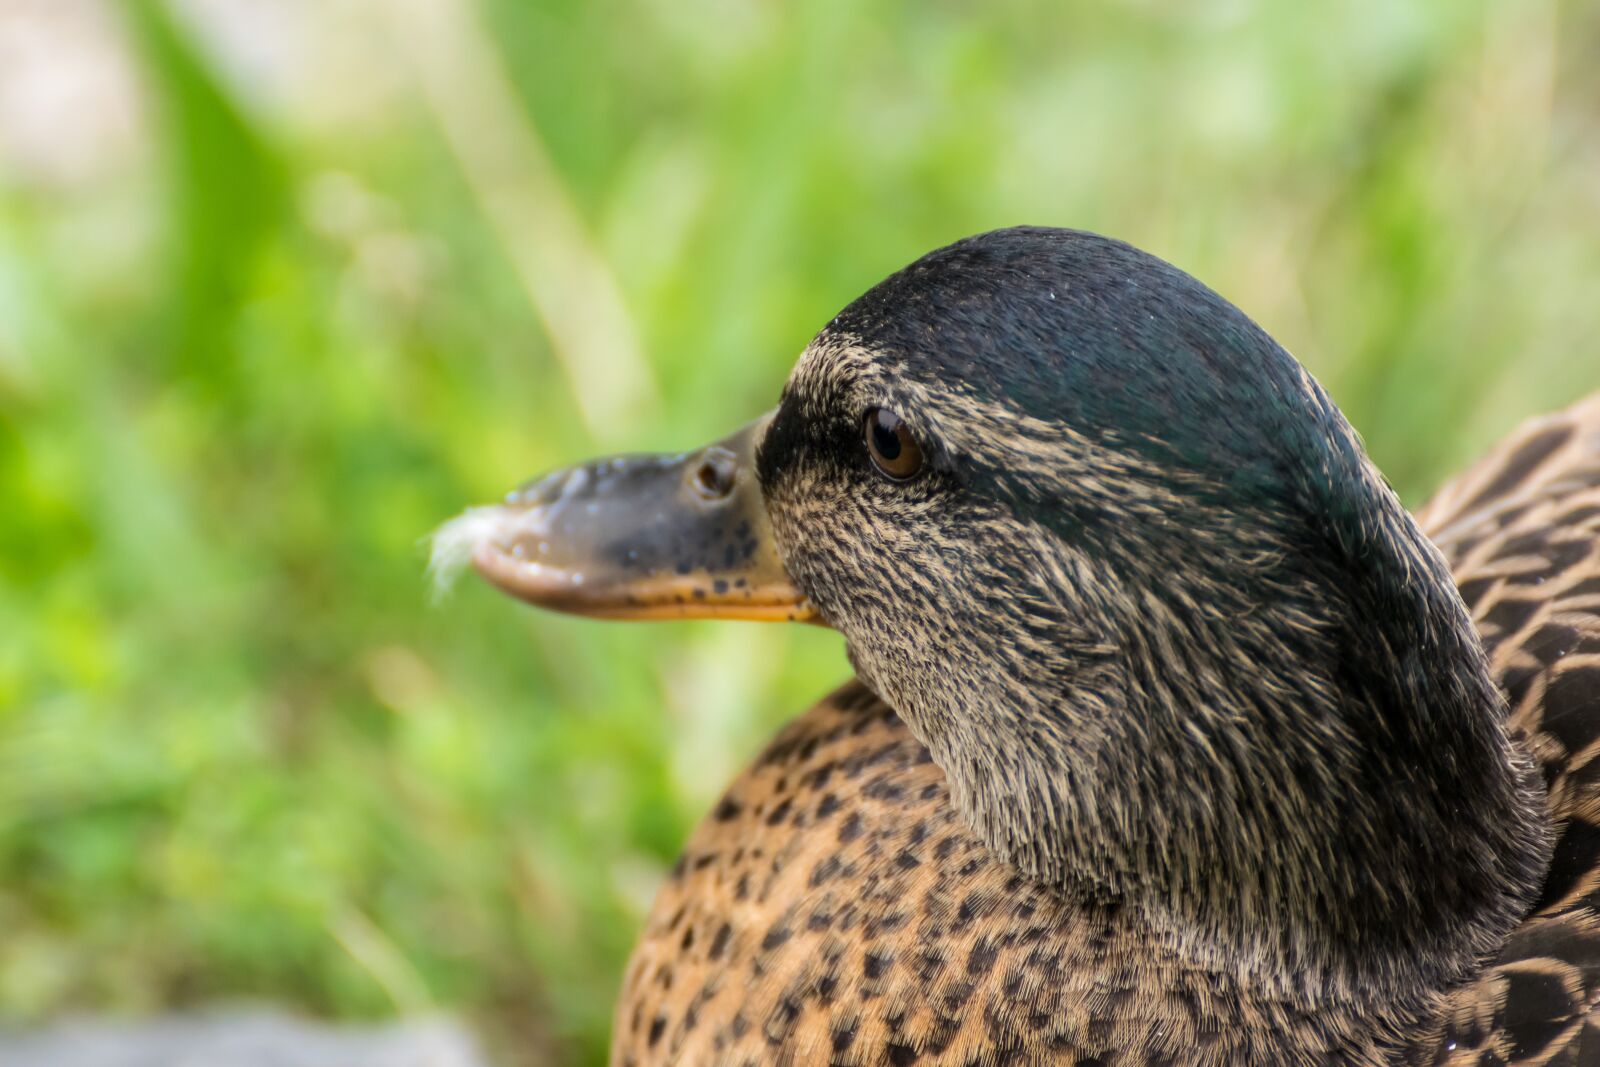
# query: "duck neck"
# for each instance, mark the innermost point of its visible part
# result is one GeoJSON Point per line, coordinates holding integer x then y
{"type": "Point", "coordinates": [1310, 771]}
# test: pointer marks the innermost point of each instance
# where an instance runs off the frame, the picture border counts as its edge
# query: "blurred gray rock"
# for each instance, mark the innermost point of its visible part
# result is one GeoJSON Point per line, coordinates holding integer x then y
{"type": "Point", "coordinates": [240, 1038]}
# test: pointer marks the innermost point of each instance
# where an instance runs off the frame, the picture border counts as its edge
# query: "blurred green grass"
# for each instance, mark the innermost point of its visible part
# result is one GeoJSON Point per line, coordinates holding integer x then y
{"type": "Point", "coordinates": [246, 366]}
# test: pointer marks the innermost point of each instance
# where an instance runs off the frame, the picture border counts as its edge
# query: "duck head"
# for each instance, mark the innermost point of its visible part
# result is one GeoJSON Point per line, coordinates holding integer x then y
{"type": "Point", "coordinates": [1126, 571]}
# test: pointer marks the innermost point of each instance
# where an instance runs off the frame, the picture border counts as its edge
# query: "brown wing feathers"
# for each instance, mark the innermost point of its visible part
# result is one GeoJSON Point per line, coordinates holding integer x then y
{"type": "Point", "coordinates": [1522, 533]}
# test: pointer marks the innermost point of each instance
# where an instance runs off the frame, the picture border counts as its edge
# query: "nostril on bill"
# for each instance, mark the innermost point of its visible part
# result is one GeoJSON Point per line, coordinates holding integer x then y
{"type": "Point", "coordinates": [714, 475]}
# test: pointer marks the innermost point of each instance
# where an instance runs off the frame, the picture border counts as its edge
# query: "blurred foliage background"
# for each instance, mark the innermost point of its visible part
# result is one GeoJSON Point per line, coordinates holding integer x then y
{"type": "Point", "coordinates": [285, 283]}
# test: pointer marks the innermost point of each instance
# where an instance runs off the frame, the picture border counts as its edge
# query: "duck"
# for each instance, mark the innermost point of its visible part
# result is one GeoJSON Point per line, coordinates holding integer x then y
{"type": "Point", "coordinates": [1174, 737]}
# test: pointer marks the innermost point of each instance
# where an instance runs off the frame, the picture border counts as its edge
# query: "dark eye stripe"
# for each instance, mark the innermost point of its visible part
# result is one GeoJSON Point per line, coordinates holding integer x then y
{"type": "Point", "coordinates": [894, 451]}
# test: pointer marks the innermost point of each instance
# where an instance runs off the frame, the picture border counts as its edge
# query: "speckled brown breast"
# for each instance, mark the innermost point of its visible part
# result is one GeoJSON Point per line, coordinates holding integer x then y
{"type": "Point", "coordinates": [833, 907]}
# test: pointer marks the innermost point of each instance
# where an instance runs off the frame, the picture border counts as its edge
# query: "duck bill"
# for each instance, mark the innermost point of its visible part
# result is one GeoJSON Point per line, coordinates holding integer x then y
{"type": "Point", "coordinates": [640, 537]}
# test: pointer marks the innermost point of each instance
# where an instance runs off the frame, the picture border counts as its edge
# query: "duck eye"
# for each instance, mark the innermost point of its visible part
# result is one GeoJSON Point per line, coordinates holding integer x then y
{"type": "Point", "coordinates": [894, 451]}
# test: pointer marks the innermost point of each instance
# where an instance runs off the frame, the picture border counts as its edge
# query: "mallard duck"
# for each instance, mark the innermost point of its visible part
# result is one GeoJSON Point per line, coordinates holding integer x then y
{"type": "Point", "coordinates": [1175, 739]}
